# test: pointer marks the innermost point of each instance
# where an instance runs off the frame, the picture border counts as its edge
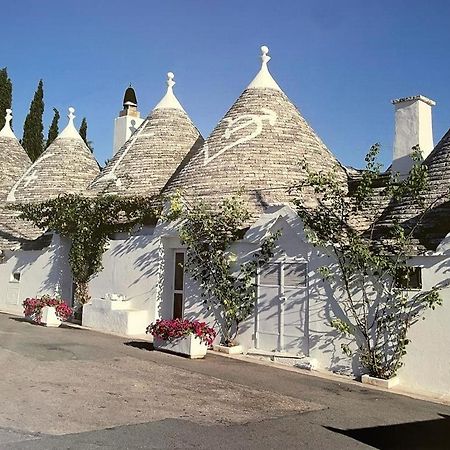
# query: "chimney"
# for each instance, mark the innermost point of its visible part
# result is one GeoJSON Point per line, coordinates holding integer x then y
{"type": "Point", "coordinates": [128, 121]}
{"type": "Point", "coordinates": [413, 126]}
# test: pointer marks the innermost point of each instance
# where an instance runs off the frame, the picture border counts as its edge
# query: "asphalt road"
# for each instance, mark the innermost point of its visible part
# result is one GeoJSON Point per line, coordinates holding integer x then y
{"type": "Point", "coordinates": [69, 388]}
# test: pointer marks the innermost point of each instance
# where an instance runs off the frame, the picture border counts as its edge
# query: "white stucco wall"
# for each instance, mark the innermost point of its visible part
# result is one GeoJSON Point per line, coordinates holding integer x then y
{"type": "Point", "coordinates": [41, 272]}
{"type": "Point", "coordinates": [130, 267]}
{"type": "Point", "coordinates": [427, 364]}
{"type": "Point", "coordinates": [141, 267]}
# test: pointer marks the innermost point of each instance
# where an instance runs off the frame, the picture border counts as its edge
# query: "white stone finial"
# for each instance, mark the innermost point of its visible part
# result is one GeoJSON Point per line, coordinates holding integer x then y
{"type": "Point", "coordinates": [265, 58]}
{"type": "Point", "coordinates": [170, 77]}
{"type": "Point", "coordinates": [263, 78]}
{"type": "Point", "coordinates": [71, 114]}
{"type": "Point", "coordinates": [6, 130]}
{"type": "Point", "coordinates": [70, 131]}
{"type": "Point", "coordinates": [169, 101]}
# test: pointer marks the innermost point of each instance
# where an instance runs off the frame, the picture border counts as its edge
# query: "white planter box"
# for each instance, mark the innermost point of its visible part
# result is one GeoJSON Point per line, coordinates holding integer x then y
{"type": "Point", "coordinates": [49, 317]}
{"type": "Point", "coordinates": [190, 346]}
{"type": "Point", "coordinates": [374, 381]}
{"type": "Point", "coordinates": [234, 350]}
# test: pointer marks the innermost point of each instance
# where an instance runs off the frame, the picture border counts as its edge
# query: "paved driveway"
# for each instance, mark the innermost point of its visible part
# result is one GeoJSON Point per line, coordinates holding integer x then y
{"type": "Point", "coordinates": [73, 388]}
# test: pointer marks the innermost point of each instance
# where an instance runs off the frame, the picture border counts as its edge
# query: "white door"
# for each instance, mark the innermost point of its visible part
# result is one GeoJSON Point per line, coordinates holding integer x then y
{"type": "Point", "coordinates": [281, 310]}
{"type": "Point", "coordinates": [13, 289]}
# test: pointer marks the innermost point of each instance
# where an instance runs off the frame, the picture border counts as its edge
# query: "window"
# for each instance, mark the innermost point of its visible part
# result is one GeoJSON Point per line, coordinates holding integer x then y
{"type": "Point", "coordinates": [294, 274]}
{"type": "Point", "coordinates": [178, 286]}
{"type": "Point", "coordinates": [15, 277]}
{"type": "Point", "coordinates": [269, 274]}
{"type": "Point", "coordinates": [409, 278]}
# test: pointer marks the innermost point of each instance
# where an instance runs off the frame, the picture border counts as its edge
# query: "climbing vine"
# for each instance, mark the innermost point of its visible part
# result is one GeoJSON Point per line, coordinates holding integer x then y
{"type": "Point", "coordinates": [369, 273]}
{"type": "Point", "coordinates": [89, 223]}
{"type": "Point", "coordinates": [227, 286]}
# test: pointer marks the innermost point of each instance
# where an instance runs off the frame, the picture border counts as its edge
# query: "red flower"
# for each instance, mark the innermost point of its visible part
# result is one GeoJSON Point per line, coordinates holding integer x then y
{"type": "Point", "coordinates": [32, 307]}
{"type": "Point", "coordinates": [170, 330]}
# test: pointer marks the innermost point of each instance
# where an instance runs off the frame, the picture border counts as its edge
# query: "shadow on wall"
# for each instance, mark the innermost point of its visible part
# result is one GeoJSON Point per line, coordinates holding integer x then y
{"type": "Point", "coordinates": [324, 306]}
{"type": "Point", "coordinates": [59, 274]}
{"type": "Point", "coordinates": [51, 276]}
{"type": "Point", "coordinates": [46, 271]}
{"type": "Point", "coordinates": [429, 434]}
{"type": "Point", "coordinates": [197, 306]}
{"type": "Point", "coordinates": [145, 265]}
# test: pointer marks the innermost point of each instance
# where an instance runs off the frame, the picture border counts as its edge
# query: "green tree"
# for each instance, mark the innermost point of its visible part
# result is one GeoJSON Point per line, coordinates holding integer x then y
{"type": "Point", "coordinates": [368, 273]}
{"type": "Point", "coordinates": [53, 131]}
{"type": "Point", "coordinates": [5, 94]}
{"type": "Point", "coordinates": [83, 134]}
{"type": "Point", "coordinates": [33, 129]}
{"type": "Point", "coordinates": [227, 286]}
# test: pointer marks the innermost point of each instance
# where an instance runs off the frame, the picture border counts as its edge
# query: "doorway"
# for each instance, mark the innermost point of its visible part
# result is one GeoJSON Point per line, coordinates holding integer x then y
{"type": "Point", "coordinates": [281, 313]}
{"type": "Point", "coordinates": [178, 285]}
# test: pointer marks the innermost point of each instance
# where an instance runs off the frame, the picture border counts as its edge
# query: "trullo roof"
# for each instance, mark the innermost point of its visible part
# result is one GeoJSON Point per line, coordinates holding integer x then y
{"type": "Point", "coordinates": [14, 164]}
{"type": "Point", "coordinates": [67, 166]}
{"type": "Point", "coordinates": [435, 214]}
{"type": "Point", "coordinates": [14, 159]}
{"type": "Point", "coordinates": [258, 148]}
{"type": "Point", "coordinates": [147, 160]}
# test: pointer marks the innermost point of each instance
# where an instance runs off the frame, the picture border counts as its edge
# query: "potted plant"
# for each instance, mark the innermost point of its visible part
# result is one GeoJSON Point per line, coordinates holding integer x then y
{"type": "Point", "coordinates": [181, 336]}
{"type": "Point", "coordinates": [46, 310]}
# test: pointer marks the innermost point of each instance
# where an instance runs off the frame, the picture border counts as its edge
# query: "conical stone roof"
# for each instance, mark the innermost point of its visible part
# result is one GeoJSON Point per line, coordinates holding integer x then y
{"type": "Point", "coordinates": [14, 159]}
{"type": "Point", "coordinates": [14, 163]}
{"type": "Point", "coordinates": [66, 166]}
{"type": "Point", "coordinates": [257, 148]}
{"type": "Point", "coordinates": [435, 223]}
{"type": "Point", "coordinates": [148, 159]}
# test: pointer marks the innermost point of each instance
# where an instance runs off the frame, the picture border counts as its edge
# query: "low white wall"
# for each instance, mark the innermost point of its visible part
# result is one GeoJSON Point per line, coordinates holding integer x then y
{"type": "Point", "coordinates": [41, 272]}
{"type": "Point", "coordinates": [131, 267]}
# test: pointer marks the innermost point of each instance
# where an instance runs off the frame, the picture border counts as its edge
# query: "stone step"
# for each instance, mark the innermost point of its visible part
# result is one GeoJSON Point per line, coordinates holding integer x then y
{"type": "Point", "coordinates": [128, 321]}
{"type": "Point", "coordinates": [290, 359]}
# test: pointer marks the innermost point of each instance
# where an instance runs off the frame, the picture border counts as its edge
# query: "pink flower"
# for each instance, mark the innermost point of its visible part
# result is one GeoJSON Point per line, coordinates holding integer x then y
{"type": "Point", "coordinates": [177, 328]}
{"type": "Point", "coordinates": [32, 307]}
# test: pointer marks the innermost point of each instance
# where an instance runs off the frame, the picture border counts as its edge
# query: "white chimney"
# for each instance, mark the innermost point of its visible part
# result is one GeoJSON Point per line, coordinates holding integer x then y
{"type": "Point", "coordinates": [413, 126]}
{"type": "Point", "coordinates": [128, 121]}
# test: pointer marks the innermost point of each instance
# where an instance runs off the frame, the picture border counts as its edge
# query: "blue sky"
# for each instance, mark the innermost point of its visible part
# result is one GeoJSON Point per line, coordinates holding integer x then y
{"type": "Point", "coordinates": [340, 62]}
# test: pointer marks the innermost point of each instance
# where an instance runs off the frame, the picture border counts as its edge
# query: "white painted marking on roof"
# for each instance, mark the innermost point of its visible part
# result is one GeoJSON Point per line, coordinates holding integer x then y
{"type": "Point", "coordinates": [70, 132]}
{"type": "Point", "coordinates": [111, 175]}
{"type": "Point", "coordinates": [263, 78]}
{"type": "Point", "coordinates": [12, 193]}
{"type": "Point", "coordinates": [30, 178]}
{"type": "Point", "coordinates": [6, 131]}
{"type": "Point", "coordinates": [246, 121]}
{"type": "Point", "coordinates": [169, 101]}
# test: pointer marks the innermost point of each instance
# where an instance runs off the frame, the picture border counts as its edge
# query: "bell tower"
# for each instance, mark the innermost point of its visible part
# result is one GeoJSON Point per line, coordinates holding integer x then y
{"type": "Point", "coordinates": [128, 121]}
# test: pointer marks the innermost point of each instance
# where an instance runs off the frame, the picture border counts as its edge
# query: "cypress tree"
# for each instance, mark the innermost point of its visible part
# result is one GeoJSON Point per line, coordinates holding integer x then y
{"type": "Point", "coordinates": [83, 134]}
{"type": "Point", "coordinates": [53, 131]}
{"type": "Point", "coordinates": [5, 94]}
{"type": "Point", "coordinates": [33, 128]}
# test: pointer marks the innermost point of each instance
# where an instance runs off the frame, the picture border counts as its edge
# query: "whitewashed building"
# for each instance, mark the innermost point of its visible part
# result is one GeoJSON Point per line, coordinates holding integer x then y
{"type": "Point", "coordinates": [133, 264]}
{"type": "Point", "coordinates": [34, 262]}
{"type": "Point", "coordinates": [257, 148]}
